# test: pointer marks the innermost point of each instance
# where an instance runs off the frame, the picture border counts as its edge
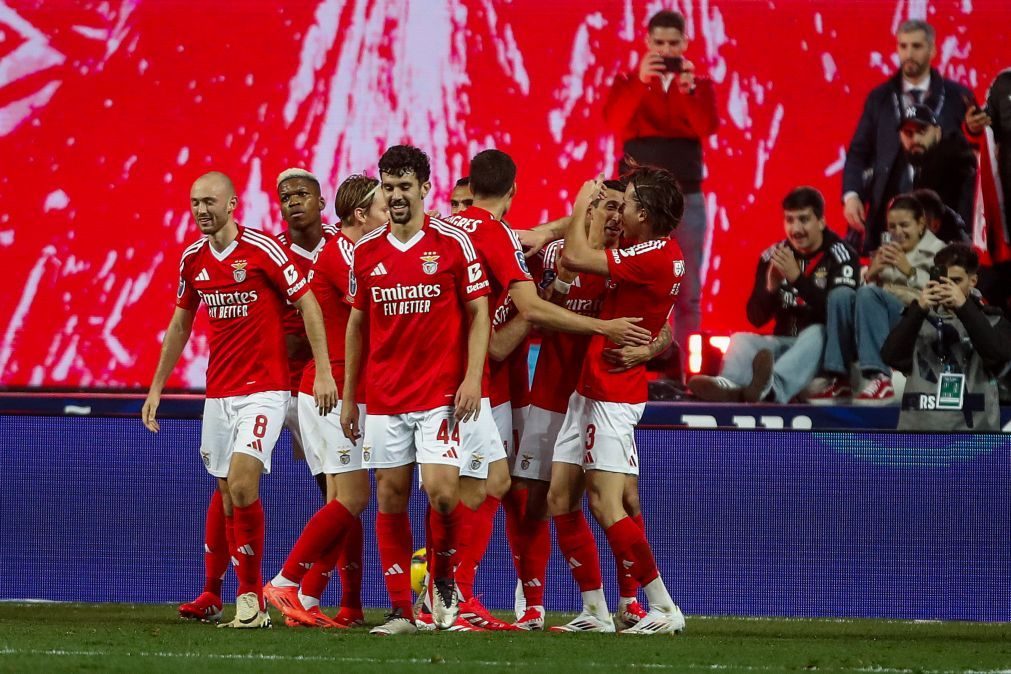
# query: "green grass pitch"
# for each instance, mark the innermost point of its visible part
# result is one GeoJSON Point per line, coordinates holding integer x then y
{"type": "Point", "coordinates": [149, 638]}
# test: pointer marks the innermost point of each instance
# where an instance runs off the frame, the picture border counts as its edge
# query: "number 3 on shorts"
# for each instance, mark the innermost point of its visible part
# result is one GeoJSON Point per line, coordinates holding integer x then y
{"type": "Point", "coordinates": [591, 435]}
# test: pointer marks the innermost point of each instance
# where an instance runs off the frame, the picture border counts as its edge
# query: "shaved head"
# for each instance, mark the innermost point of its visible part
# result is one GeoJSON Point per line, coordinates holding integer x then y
{"type": "Point", "coordinates": [212, 202]}
{"type": "Point", "coordinates": [217, 182]}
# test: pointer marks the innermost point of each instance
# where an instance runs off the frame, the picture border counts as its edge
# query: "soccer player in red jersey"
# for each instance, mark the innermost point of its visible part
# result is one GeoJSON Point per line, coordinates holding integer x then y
{"type": "Point", "coordinates": [302, 204]}
{"type": "Point", "coordinates": [420, 285]}
{"type": "Point", "coordinates": [244, 277]}
{"type": "Point", "coordinates": [558, 365]}
{"type": "Point", "coordinates": [600, 422]}
{"type": "Point", "coordinates": [333, 536]}
{"type": "Point", "coordinates": [493, 184]}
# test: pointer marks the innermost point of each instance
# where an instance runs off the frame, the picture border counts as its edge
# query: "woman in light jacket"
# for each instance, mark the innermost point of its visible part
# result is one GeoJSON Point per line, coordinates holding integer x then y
{"type": "Point", "coordinates": [859, 322]}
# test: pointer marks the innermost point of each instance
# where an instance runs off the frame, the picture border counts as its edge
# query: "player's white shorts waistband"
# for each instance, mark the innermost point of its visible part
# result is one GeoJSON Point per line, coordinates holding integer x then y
{"type": "Point", "coordinates": [326, 449]}
{"type": "Point", "coordinates": [248, 424]}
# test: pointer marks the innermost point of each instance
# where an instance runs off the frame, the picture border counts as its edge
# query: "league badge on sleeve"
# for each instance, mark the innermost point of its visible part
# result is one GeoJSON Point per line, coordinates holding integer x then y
{"type": "Point", "coordinates": [679, 267]}
{"type": "Point", "coordinates": [522, 261]}
{"type": "Point", "coordinates": [239, 270]}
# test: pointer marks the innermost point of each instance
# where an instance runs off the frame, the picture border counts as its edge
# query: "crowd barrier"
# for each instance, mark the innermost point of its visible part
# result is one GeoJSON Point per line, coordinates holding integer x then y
{"type": "Point", "coordinates": [742, 522]}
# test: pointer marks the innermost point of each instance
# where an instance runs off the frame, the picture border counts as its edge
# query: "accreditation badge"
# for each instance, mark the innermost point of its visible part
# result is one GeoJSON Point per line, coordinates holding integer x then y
{"type": "Point", "coordinates": [950, 391]}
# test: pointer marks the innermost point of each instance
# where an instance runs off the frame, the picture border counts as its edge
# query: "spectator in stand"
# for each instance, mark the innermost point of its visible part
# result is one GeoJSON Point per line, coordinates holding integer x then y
{"type": "Point", "coordinates": [946, 224]}
{"type": "Point", "coordinates": [875, 148]}
{"type": "Point", "coordinates": [945, 164]}
{"type": "Point", "coordinates": [950, 348]}
{"type": "Point", "coordinates": [793, 280]}
{"type": "Point", "coordinates": [860, 320]}
{"type": "Point", "coordinates": [661, 113]}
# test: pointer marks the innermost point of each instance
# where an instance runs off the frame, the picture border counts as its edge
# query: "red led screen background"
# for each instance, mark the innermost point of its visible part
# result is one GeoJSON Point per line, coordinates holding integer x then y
{"type": "Point", "coordinates": [108, 110]}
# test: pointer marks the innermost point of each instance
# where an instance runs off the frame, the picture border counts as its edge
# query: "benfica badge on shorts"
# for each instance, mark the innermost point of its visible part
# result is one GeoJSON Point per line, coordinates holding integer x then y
{"type": "Point", "coordinates": [429, 264]}
{"type": "Point", "coordinates": [345, 456]}
{"type": "Point", "coordinates": [475, 462]}
{"type": "Point", "coordinates": [366, 453]}
{"type": "Point", "coordinates": [239, 271]}
{"type": "Point", "coordinates": [525, 463]}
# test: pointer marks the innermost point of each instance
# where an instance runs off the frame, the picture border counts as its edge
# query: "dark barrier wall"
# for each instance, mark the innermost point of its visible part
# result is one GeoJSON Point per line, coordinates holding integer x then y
{"type": "Point", "coordinates": [788, 523]}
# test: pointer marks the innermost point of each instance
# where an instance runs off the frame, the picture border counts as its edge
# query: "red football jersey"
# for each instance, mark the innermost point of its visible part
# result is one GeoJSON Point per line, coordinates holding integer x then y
{"type": "Point", "coordinates": [502, 256]}
{"type": "Point", "coordinates": [414, 295]}
{"type": "Point", "coordinates": [498, 249]}
{"type": "Point", "coordinates": [644, 281]}
{"type": "Point", "coordinates": [329, 280]}
{"type": "Point", "coordinates": [292, 321]}
{"type": "Point", "coordinates": [245, 288]}
{"type": "Point", "coordinates": [560, 359]}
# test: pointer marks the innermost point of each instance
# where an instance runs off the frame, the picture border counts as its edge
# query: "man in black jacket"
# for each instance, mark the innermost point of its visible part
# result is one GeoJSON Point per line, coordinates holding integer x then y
{"type": "Point", "coordinates": [875, 145]}
{"type": "Point", "coordinates": [945, 164]}
{"type": "Point", "coordinates": [951, 348]}
{"type": "Point", "coordinates": [792, 283]}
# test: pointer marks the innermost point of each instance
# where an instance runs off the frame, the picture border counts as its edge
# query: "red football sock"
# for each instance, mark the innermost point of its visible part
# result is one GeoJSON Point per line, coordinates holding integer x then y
{"type": "Point", "coordinates": [249, 535]}
{"type": "Point", "coordinates": [632, 550]}
{"type": "Point", "coordinates": [393, 533]}
{"type": "Point", "coordinates": [349, 566]}
{"type": "Point", "coordinates": [482, 521]}
{"type": "Point", "coordinates": [230, 538]}
{"type": "Point", "coordinates": [534, 563]}
{"type": "Point", "coordinates": [217, 554]}
{"type": "Point", "coordinates": [318, 577]}
{"type": "Point", "coordinates": [321, 532]}
{"type": "Point", "coordinates": [443, 529]}
{"type": "Point", "coordinates": [639, 521]}
{"type": "Point", "coordinates": [579, 550]}
{"type": "Point", "coordinates": [627, 585]}
{"type": "Point", "coordinates": [517, 534]}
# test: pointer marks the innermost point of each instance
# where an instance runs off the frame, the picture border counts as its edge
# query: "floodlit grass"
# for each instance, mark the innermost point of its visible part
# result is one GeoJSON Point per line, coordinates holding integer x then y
{"type": "Point", "coordinates": [149, 638]}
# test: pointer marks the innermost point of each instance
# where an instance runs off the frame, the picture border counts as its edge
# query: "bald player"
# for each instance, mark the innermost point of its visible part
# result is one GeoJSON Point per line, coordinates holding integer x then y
{"type": "Point", "coordinates": [244, 277]}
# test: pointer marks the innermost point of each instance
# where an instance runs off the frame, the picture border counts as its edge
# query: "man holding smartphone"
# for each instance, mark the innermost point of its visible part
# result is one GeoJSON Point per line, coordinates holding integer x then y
{"type": "Point", "coordinates": [950, 347]}
{"type": "Point", "coordinates": [661, 112]}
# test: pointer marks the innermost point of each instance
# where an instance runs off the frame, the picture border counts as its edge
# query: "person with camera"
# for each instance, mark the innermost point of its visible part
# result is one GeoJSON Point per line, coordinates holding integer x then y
{"type": "Point", "coordinates": [950, 347]}
{"type": "Point", "coordinates": [859, 319]}
{"type": "Point", "coordinates": [660, 114]}
{"type": "Point", "coordinates": [874, 151]}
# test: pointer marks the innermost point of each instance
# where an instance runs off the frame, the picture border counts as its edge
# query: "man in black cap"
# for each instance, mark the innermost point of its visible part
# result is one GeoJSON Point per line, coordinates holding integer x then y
{"type": "Point", "coordinates": [944, 163]}
{"type": "Point", "coordinates": [874, 149]}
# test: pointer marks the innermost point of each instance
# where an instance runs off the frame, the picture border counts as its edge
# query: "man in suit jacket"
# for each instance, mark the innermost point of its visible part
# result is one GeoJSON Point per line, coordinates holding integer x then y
{"type": "Point", "coordinates": [875, 145]}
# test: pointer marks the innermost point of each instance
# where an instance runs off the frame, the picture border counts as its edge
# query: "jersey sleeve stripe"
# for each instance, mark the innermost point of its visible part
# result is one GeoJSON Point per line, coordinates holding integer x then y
{"type": "Point", "coordinates": [347, 250]}
{"type": "Point", "coordinates": [461, 238]}
{"type": "Point", "coordinates": [268, 245]}
{"type": "Point", "coordinates": [191, 250]}
{"type": "Point", "coordinates": [512, 235]}
{"type": "Point", "coordinates": [551, 253]}
{"type": "Point", "coordinates": [331, 230]}
{"type": "Point", "coordinates": [374, 234]}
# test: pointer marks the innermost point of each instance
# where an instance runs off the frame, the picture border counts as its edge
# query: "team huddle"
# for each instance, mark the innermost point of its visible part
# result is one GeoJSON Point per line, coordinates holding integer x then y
{"type": "Point", "coordinates": [425, 323]}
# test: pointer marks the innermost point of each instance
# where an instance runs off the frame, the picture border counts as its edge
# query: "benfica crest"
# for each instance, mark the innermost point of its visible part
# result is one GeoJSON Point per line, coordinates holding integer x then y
{"type": "Point", "coordinates": [239, 271]}
{"type": "Point", "coordinates": [430, 264]}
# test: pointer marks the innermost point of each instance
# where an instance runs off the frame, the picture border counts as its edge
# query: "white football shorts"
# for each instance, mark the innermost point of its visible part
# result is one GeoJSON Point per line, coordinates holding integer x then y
{"type": "Point", "coordinates": [326, 449]}
{"type": "Point", "coordinates": [248, 424]}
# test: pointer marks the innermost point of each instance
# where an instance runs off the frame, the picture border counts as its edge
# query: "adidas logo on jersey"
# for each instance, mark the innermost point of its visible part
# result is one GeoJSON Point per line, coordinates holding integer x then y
{"type": "Point", "coordinates": [393, 570]}
{"type": "Point", "coordinates": [203, 275]}
{"type": "Point", "coordinates": [380, 270]}
{"type": "Point", "coordinates": [256, 444]}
